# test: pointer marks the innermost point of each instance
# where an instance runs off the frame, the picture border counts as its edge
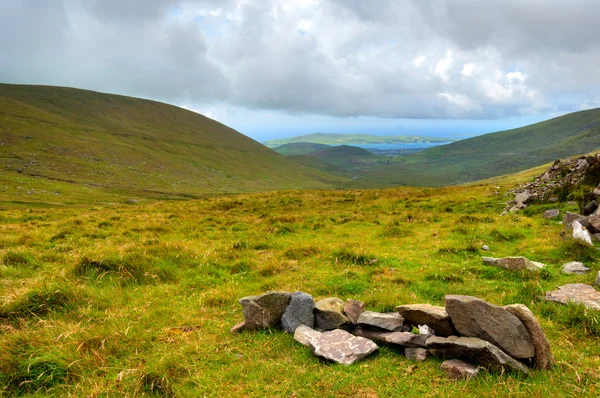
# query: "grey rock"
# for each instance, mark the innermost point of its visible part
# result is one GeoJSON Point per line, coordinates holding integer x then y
{"type": "Point", "coordinates": [474, 350]}
{"type": "Point", "coordinates": [392, 322]}
{"type": "Point", "coordinates": [575, 267]}
{"type": "Point", "coordinates": [238, 328]}
{"type": "Point", "coordinates": [590, 208]}
{"type": "Point", "coordinates": [300, 311]}
{"type": "Point", "coordinates": [593, 222]}
{"type": "Point", "coordinates": [329, 315]}
{"type": "Point", "coordinates": [404, 339]}
{"type": "Point", "coordinates": [265, 310]}
{"type": "Point", "coordinates": [485, 248]}
{"type": "Point", "coordinates": [459, 370]}
{"type": "Point", "coordinates": [522, 197]}
{"type": "Point", "coordinates": [570, 217]}
{"type": "Point", "coordinates": [513, 263]}
{"type": "Point", "coordinates": [342, 347]}
{"type": "Point", "coordinates": [597, 280]}
{"type": "Point", "coordinates": [426, 330]}
{"type": "Point", "coordinates": [543, 358]}
{"type": "Point", "coordinates": [517, 207]}
{"type": "Point", "coordinates": [581, 235]}
{"type": "Point", "coordinates": [552, 213]}
{"type": "Point", "coordinates": [577, 293]}
{"type": "Point", "coordinates": [353, 309]}
{"type": "Point", "coordinates": [304, 335]}
{"type": "Point", "coordinates": [415, 354]}
{"type": "Point", "coordinates": [424, 314]}
{"type": "Point", "coordinates": [473, 317]}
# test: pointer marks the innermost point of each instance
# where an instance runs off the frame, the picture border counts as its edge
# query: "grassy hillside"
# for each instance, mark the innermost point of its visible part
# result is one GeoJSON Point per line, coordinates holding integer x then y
{"type": "Point", "coordinates": [495, 154]}
{"type": "Point", "coordinates": [130, 146]}
{"type": "Point", "coordinates": [349, 157]}
{"type": "Point", "coordinates": [349, 139]}
{"type": "Point", "coordinates": [138, 299]}
{"type": "Point", "coordinates": [299, 148]}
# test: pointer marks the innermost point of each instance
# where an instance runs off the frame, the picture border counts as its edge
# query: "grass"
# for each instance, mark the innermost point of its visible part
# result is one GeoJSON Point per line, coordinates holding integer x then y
{"type": "Point", "coordinates": [122, 299]}
{"type": "Point", "coordinates": [348, 139]}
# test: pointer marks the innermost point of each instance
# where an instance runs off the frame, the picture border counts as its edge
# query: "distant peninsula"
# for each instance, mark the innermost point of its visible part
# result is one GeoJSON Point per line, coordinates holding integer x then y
{"type": "Point", "coordinates": [356, 139]}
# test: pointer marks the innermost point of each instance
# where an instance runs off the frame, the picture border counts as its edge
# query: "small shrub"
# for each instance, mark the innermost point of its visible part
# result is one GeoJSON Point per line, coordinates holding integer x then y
{"type": "Point", "coordinates": [156, 385]}
{"type": "Point", "coordinates": [347, 256]}
{"type": "Point", "coordinates": [395, 231]}
{"type": "Point", "coordinates": [132, 268]}
{"type": "Point", "coordinates": [18, 259]}
{"type": "Point", "coordinates": [37, 374]}
{"type": "Point", "coordinates": [39, 303]}
{"type": "Point", "coordinates": [297, 253]}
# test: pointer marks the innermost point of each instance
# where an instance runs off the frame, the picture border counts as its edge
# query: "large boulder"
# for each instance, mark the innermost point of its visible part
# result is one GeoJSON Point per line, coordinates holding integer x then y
{"type": "Point", "coordinates": [425, 314]}
{"type": "Point", "coordinates": [341, 347]}
{"type": "Point", "coordinates": [459, 370]}
{"type": "Point", "coordinates": [300, 311]}
{"type": "Point", "coordinates": [303, 335]}
{"type": "Point", "coordinates": [543, 358]}
{"type": "Point", "coordinates": [353, 309]}
{"type": "Point", "coordinates": [265, 310]}
{"type": "Point", "coordinates": [577, 293]}
{"type": "Point", "coordinates": [513, 263]}
{"type": "Point", "coordinates": [473, 317]}
{"type": "Point", "coordinates": [391, 322]}
{"type": "Point", "coordinates": [329, 315]}
{"type": "Point", "coordinates": [404, 339]}
{"type": "Point", "coordinates": [474, 350]}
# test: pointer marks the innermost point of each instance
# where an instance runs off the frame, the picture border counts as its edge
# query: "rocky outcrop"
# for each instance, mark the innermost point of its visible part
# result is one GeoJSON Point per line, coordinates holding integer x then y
{"type": "Point", "coordinates": [392, 322]}
{"type": "Point", "coordinates": [473, 317]}
{"type": "Point", "coordinates": [341, 347]}
{"type": "Point", "coordinates": [543, 358]}
{"type": "Point", "coordinates": [329, 315]}
{"type": "Point", "coordinates": [513, 263]}
{"type": "Point", "coordinates": [264, 311]}
{"type": "Point", "coordinates": [475, 350]}
{"type": "Point", "coordinates": [577, 293]}
{"type": "Point", "coordinates": [424, 314]}
{"type": "Point", "coordinates": [300, 311]}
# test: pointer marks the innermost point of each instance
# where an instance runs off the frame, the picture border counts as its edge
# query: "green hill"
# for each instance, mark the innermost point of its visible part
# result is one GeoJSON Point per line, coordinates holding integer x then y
{"type": "Point", "coordinates": [55, 141]}
{"type": "Point", "coordinates": [299, 148]}
{"type": "Point", "coordinates": [494, 154]}
{"type": "Point", "coordinates": [348, 139]}
{"type": "Point", "coordinates": [349, 157]}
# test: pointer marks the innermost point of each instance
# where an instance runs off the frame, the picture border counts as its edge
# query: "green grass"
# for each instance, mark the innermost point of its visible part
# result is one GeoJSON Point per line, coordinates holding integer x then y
{"type": "Point", "coordinates": [299, 148]}
{"type": "Point", "coordinates": [137, 299]}
{"type": "Point", "coordinates": [350, 139]}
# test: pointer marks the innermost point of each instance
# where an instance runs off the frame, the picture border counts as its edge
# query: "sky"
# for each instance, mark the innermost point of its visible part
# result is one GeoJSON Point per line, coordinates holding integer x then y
{"type": "Point", "coordinates": [277, 68]}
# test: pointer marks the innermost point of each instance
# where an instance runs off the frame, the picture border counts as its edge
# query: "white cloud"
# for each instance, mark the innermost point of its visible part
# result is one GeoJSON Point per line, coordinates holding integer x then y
{"type": "Point", "coordinates": [443, 66]}
{"type": "Point", "coordinates": [467, 69]}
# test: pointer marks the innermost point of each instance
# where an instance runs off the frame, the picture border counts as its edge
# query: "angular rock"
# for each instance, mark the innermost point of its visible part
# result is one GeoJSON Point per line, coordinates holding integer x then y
{"type": "Point", "coordinates": [514, 263]}
{"type": "Point", "coordinates": [329, 315]}
{"type": "Point", "coordinates": [575, 267]}
{"type": "Point", "coordinates": [424, 314]}
{"type": "Point", "coordinates": [265, 310]}
{"type": "Point", "coordinates": [517, 207]}
{"type": "Point", "coordinates": [473, 317]}
{"type": "Point", "coordinates": [474, 350]}
{"type": "Point", "coordinates": [341, 347]}
{"type": "Point", "coordinates": [404, 339]}
{"type": "Point", "coordinates": [570, 217]}
{"type": "Point", "coordinates": [238, 328]}
{"type": "Point", "coordinates": [425, 330]}
{"type": "Point", "coordinates": [459, 370]}
{"type": "Point", "coordinates": [522, 197]}
{"type": "Point", "coordinates": [577, 293]}
{"type": "Point", "coordinates": [353, 309]}
{"type": "Point", "coordinates": [304, 335]}
{"type": "Point", "coordinates": [581, 235]}
{"type": "Point", "coordinates": [552, 213]}
{"type": "Point", "coordinates": [392, 322]}
{"type": "Point", "coordinates": [594, 223]}
{"type": "Point", "coordinates": [543, 358]}
{"type": "Point", "coordinates": [415, 354]}
{"type": "Point", "coordinates": [590, 208]}
{"type": "Point", "coordinates": [300, 311]}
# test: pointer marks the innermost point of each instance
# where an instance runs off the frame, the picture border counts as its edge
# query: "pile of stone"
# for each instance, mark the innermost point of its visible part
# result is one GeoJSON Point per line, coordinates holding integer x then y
{"type": "Point", "coordinates": [470, 333]}
{"type": "Point", "coordinates": [566, 174]}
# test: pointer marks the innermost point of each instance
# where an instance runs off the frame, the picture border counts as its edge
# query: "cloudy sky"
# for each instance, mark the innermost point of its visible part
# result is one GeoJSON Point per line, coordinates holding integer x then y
{"type": "Point", "coordinates": [274, 68]}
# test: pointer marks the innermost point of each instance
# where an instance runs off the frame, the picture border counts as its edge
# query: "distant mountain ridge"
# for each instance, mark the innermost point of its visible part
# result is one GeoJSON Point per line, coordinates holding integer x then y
{"type": "Point", "coordinates": [352, 139]}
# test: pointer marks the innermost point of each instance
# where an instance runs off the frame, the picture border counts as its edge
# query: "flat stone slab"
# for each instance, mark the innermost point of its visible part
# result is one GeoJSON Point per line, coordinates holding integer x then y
{"type": "Point", "coordinates": [342, 347]}
{"type": "Point", "coordinates": [304, 334]}
{"type": "Point", "coordinates": [404, 339]}
{"type": "Point", "coordinates": [543, 358]}
{"type": "Point", "coordinates": [474, 350]}
{"type": "Point", "coordinates": [459, 370]}
{"type": "Point", "coordinates": [577, 293]}
{"type": "Point", "coordinates": [298, 312]}
{"type": "Point", "coordinates": [473, 317]}
{"type": "Point", "coordinates": [265, 310]}
{"type": "Point", "coordinates": [391, 322]}
{"type": "Point", "coordinates": [513, 263]}
{"type": "Point", "coordinates": [575, 267]}
{"type": "Point", "coordinates": [433, 316]}
{"type": "Point", "coordinates": [552, 213]}
{"type": "Point", "coordinates": [329, 315]}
